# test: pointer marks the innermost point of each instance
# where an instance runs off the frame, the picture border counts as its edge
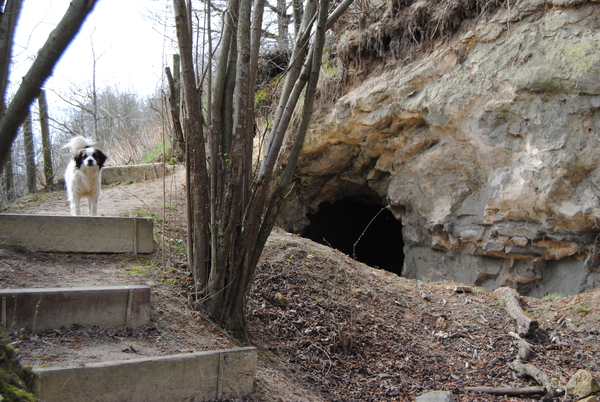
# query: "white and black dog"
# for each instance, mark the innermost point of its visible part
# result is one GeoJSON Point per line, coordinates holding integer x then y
{"type": "Point", "coordinates": [83, 174]}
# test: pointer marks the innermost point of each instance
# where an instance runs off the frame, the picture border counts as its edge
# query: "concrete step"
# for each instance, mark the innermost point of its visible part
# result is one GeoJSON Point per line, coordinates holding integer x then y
{"type": "Point", "coordinates": [197, 377]}
{"type": "Point", "coordinates": [134, 173]}
{"type": "Point", "coordinates": [77, 234]}
{"type": "Point", "coordinates": [47, 308]}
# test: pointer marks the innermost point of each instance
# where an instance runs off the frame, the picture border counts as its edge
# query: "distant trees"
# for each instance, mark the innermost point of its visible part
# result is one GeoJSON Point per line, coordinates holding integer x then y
{"type": "Point", "coordinates": [122, 121]}
{"type": "Point", "coordinates": [128, 125]}
{"type": "Point", "coordinates": [13, 115]}
{"type": "Point", "coordinates": [22, 174]}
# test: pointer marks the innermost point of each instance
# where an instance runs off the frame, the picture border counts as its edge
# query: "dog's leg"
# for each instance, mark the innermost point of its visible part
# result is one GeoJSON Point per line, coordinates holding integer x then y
{"type": "Point", "coordinates": [75, 202]}
{"type": "Point", "coordinates": [93, 205]}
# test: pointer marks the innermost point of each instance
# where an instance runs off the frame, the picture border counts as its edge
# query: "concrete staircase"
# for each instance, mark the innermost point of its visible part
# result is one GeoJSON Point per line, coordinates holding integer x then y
{"type": "Point", "coordinates": [200, 376]}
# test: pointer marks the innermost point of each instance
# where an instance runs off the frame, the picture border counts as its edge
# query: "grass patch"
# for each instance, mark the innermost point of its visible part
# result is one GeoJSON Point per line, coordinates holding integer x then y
{"type": "Point", "coordinates": [553, 296]}
{"type": "Point", "coordinates": [140, 269]}
{"type": "Point", "coordinates": [34, 198]}
{"type": "Point", "coordinates": [153, 154]}
{"type": "Point", "coordinates": [580, 308]}
{"type": "Point", "coordinates": [168, 276]}
{"type": "Point", "coordinates": [141, 213]}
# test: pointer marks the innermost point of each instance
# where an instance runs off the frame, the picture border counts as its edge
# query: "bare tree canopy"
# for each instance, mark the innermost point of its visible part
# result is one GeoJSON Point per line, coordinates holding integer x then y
{"type": "Point", "coordinates": [41, 69]}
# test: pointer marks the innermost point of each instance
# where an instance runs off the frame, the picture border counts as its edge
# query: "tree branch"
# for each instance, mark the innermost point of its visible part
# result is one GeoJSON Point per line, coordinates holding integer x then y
{"type": "Point", "coordinates": [40, 70]}
{"type": "Point", "coordinates": [8, 23]}
{"type": "Point", "coordinates": [337, 13]}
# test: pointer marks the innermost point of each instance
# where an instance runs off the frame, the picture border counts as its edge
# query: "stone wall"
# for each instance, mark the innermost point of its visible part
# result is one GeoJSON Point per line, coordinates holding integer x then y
{"type": "Point", "coordinates": [487, 151]}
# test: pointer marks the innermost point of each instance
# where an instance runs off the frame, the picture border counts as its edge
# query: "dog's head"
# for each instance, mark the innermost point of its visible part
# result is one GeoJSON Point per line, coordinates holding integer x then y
{"type": "Point", "coordinates": [89, 157]}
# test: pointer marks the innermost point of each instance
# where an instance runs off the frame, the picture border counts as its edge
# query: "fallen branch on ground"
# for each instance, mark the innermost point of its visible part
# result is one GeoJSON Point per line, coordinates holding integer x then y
{"type": "Point", "coordinates": [525, 391]}
{"type": "Point", "coordinates": [527, 370]}
{"type": "Point", "coordinates": [525, 325]}
{"type": "Point", "coordinates": [525, 348]}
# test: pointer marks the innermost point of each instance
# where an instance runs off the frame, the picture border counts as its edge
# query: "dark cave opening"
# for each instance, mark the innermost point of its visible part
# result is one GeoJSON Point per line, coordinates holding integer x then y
{"type": "Point", "coordinates": [341, 225]}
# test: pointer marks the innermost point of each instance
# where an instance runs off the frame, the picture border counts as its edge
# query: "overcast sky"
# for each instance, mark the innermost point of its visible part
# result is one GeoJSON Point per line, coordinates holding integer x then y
{"type": "Point", "coordinates": [129, 44]}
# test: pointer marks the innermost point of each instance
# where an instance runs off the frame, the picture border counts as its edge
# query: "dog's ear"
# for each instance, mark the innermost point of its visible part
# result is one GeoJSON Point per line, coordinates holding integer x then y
{"type": "Point", "coordinates": [79, 159]}
{"type": "Point", "coordinates": [100, 157]}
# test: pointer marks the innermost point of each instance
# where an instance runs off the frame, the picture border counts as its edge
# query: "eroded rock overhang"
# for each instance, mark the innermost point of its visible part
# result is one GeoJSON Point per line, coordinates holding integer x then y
{"type": "Point", "coordinates": [487, 151]}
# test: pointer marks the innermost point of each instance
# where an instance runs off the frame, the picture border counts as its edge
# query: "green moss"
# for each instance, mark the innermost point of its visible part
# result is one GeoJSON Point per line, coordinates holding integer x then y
{"type": "Point", "coordinates": [15, 381]}
{"type": "Point", "coordinates": [141, 268]}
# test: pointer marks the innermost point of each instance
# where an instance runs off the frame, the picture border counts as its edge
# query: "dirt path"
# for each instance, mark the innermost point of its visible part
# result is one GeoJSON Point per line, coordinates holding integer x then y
{"type": "Point", "coordinates": [116, 200]}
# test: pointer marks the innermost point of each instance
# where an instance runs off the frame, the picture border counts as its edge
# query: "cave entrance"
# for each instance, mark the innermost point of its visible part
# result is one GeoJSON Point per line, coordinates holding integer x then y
{"type": "Point", "coordinates": [340, 225]}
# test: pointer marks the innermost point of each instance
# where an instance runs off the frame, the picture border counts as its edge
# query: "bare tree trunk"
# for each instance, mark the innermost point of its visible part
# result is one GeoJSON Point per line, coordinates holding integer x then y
{"type": "Point", "coordinates": [291, 81]}
{"type": "Point", "coordinates": [177, 100]}
{"type": "Point", "coordinates": [8, 178]}
{"type": "Point", "coordinates": [40, 70]}
{"type": "Point", "coordinates": [222, 72]}
{"type": "Point", "coordinates": [283, 22]}
{"type": "Point", "coordinates": [235, 193]}
{"type": "Point", "coordinates": [219, 138]}
{"type": "Point", "coordinates": [29, 154]}
{"type": "Point", "coordinates": [46, 145]}
{"type": "Point", "coordinates": [243, 206]}
{"type": "Point", "coordinates": [8, 23]}
{"type": "Point", "coordinates": [314, 61]}
{"type": "Point", "coordinates": [257, 220]}
{"type": "Point", "coordinates": [175, 106]}
{"type": "Point", "coordinates": [297, 12]}
{"type": "Point", "coordinates": [192, 126]}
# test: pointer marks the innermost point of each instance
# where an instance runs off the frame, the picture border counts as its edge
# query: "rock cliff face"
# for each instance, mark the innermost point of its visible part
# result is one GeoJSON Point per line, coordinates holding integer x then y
{"type": "Point", "coordinates": [487, 151]}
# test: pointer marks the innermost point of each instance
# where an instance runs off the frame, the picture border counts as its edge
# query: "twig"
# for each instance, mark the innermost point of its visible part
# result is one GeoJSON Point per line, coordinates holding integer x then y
{"type": "Point", "coordinates": [328, 358]}
{"type": "Point", "coordinates": [363, 232]}
{"type": "Point", "coordinates": [405, 305]}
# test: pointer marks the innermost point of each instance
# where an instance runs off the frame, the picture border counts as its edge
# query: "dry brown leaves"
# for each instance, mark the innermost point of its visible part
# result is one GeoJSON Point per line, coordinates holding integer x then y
{"type": "Point", "coordinates": [359, 334]}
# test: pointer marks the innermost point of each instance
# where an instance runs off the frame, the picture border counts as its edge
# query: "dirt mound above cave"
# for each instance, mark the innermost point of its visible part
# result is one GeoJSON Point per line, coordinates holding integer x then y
{"type": "Point", "coordinates": [327, 327]}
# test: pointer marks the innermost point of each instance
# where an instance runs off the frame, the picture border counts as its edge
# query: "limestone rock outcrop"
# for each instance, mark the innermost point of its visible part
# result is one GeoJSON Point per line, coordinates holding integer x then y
{"type": "Point", "coordinates": [487, 150]}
